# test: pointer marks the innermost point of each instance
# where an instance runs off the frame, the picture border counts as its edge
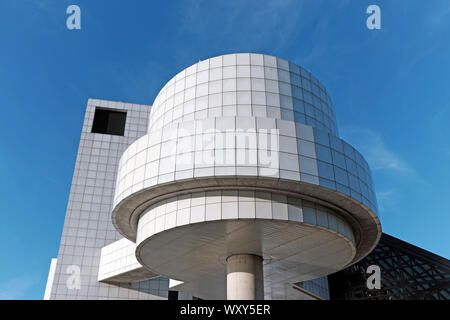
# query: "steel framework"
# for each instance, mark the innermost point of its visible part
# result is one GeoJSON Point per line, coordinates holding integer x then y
{"type": "Point", "coordinates": [407, 273]}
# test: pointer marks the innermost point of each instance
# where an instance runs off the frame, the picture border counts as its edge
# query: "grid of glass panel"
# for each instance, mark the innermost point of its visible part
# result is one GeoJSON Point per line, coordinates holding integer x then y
{"type": "Point", "coordinates": [244, 85]}
{"type": "Point", "coordinates": [211, 147]}
{"type": "Point", "coordinates": [235, 204]}
{"type": "Point", "coordinates": [117, 258]}
{"type": "Point", "coordinates": [319, 287]}
{"type": "Point", "coordinates": [87, 226]}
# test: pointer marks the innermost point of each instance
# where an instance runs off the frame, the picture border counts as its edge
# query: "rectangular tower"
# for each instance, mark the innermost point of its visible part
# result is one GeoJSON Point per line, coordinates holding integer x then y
{"type": "Point", "coordinates": [108, 129]}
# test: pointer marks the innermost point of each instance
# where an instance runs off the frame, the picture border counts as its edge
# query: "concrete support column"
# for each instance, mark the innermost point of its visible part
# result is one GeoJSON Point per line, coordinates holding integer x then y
{"type": "Point", "coordinates": [245, 277]}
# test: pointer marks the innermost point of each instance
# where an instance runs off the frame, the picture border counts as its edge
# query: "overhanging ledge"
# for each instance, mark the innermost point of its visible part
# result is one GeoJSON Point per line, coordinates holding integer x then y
{"type": "Point", "coordinates": [365, 223]}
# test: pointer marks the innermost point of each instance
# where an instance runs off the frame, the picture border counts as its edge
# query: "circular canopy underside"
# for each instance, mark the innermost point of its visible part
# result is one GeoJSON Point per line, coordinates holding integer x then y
{"type": "Point", "coordinates": [196, 253]}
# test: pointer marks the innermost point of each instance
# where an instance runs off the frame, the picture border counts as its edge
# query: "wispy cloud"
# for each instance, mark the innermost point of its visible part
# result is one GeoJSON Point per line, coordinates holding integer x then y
{"type": "Point", "coordinates": [16, 288]}
{"type": "Point", "coordinates": [242, 23]}
{"type": "Point", "coordinates": [385, 163]}
{"type": "Point", "coordinates": [439, 120]}
{"type": "Point", "coordinates": [382, 158]}
{"type": "Point", "coordinates": [380, 155]}
{"type": "Point", "coordinates": [375, 150]}
{"type": "Point", "coordinates": [387, 199]}
{"type": "Point", "coordinates": [438, 127]}
{"type": "Point", "coordinates": [439, 16]}
{"type": "Point", "coordinates": [410, 62]}
{"type": "Point", "coordinates": [433, 24]}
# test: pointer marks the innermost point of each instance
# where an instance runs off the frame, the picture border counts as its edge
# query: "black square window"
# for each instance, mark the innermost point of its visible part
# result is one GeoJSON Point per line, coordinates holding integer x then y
{"type": "Point", "coordinates": [109, 122]}
{"type": "Point", "coordinates": [173, 295]}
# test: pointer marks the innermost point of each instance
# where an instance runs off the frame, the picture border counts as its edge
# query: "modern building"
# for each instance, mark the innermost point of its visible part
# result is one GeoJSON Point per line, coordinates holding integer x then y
{"type": "Point", "coordinates": [233, 184]}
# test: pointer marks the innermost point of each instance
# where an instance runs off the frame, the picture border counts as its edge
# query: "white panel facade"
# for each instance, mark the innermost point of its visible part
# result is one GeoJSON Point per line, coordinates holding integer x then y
{"type": "Point", "coordinates": [87, 227]}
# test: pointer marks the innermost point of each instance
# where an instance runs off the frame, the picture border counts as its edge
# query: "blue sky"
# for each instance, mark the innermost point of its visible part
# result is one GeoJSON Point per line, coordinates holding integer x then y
{"type": "Point", "coordinates": [390, 88]}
